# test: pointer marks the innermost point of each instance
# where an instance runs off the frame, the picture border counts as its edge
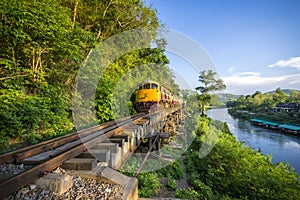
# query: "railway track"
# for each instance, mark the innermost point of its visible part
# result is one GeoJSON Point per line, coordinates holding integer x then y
{"type": "Point", "coordinates": [49, 155]}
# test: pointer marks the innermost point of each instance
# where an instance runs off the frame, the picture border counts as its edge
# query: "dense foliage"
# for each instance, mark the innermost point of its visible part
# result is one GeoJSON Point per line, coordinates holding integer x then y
{"type": "Point", "coordinates": [260, 105]}
{"type": "Point", "coordinates": [154, 170]}
{"type": "Point", "coordinates": [233, 170]}
{"type": "Point", "coordinates": [43, 45]}
{"type": "Point", "coordinates": [230, 171]}
{"type": "Point", "coordinates": [32, 118]}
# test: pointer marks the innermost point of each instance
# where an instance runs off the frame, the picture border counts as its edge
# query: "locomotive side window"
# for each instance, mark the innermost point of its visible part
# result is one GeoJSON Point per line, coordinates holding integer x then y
{"type": "Point", "coordinates": [147, 86]}
{"type": "Point", "coordinates": [154, 86]}
{"type": "Point", "coordinates": [141, 87]}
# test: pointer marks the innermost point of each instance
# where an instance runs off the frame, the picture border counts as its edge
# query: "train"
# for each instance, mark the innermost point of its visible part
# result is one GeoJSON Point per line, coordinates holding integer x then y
{"type": "Point", "coordinates": [151, 95]}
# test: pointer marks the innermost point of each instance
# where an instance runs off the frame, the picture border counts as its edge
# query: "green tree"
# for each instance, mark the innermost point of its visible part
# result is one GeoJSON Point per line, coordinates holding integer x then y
{"type": "Point", "coordinates": [43, 44]}
{"type": "Point", "coordinates": [105, 18]}
{"type": "Point", "coordinates": [38, 57]}
{"type": "Point", "coordinates": [208, 84]}
{"type": "Point", "coordinates": [279, 96]}
{"type": "Point", "coordinates": [294, 96]}
{"type": "Point", "coordinates": [37, 44]}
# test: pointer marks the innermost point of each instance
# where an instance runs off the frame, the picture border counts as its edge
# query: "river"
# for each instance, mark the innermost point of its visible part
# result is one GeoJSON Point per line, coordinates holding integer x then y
{"type": "Point", "coordinates": [282, 147]}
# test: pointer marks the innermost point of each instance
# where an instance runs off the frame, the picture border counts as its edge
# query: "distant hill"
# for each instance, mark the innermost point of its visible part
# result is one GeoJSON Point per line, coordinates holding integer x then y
{"type": "Point", "coordinates": [224, 97]}
{"type": "Point", "coordinates": [286, 91]}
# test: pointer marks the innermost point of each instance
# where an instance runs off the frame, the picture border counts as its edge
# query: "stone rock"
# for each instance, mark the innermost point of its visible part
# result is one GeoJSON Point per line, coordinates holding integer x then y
{"type": "Point", "coordinates": [57, 183]}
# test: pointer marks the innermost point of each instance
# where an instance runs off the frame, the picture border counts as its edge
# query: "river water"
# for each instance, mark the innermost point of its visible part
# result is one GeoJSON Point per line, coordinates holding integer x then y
{"type": "Point", "coordinates": [282, 147]}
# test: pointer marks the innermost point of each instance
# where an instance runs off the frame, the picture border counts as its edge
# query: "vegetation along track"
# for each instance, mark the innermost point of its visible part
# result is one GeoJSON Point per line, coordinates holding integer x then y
{"type": "Point", "coordinates": [51, 154]}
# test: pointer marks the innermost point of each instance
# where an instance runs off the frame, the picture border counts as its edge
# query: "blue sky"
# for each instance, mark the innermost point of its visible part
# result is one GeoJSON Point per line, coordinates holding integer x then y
{"type": "Point", "coordinates": [254, 44]}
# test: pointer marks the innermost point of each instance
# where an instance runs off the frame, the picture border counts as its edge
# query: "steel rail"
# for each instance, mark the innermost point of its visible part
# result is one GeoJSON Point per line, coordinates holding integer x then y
{"type": "Point", "coordinates": [20, 154]}
{"type": "Point", "coordinates": [157, 137]}
{"type": "Point", "coordinates": [16, 182]}
{"type": "Point", "coordinates": [146, 157]}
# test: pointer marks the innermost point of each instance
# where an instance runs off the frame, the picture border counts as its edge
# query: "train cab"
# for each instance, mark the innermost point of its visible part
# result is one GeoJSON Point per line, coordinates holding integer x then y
{"type": "Point", "coordinates": [147, 96]}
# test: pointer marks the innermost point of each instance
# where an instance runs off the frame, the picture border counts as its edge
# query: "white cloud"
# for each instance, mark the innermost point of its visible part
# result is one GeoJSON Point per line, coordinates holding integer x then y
{"type": "Point", "coordinates": [231, 69]}
{"type": "Point", "coordinates": [250, 74]}
{"type": "Point", "coordinates": [294, 82]}
{"type": "Point", "coordinates": [292, 62]}
{"type": "Point", "coordinates": [249, 82]}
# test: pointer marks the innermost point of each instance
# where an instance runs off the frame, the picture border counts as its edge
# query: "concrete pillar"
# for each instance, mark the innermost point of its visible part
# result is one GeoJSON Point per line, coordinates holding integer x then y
{"type": "Point", "coordinates": [132, 139]}
{"type": "Point", "coordinates": [126, 146]}
{"type": "Point", "coordinates": [115, 156]}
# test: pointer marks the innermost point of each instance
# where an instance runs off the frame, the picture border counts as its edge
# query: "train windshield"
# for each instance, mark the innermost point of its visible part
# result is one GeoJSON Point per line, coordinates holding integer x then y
{"type": "Point", "coordinates": [147, 86]}
{"type": "Point", "coordinates": [154, 86]}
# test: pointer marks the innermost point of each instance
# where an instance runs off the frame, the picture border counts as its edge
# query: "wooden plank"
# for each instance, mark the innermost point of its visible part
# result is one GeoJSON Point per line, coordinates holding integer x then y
{"type": "Point", "coordinates": [125, 137]}
{"type": "Point", "coordinates": [39, 158]}
{"type": "Point", "coordinates": [17, 182]}
{"type": "Point", "coordinates": [23, 153]}
{"type": "Point", "coordinates": [120, 141]}
{"type": "Point", "coordinates": [44, 156]}
{"type": "Point", "coordinates": [164, 135]}
{"type": "Point", "coordinates": [80, 164]}
{"type": "Point", "coordinates": [113, 147]}
{"type": "Point", "coordinates": [100, 155]}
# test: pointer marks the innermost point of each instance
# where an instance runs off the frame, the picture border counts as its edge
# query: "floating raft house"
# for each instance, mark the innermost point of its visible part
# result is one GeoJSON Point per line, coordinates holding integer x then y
{"type": "Point", "coordinates": [265, 123]}
{"type": "Point", "coordinates": [287, 128]}
{"type": "Point", "coordinates": [256, 121]}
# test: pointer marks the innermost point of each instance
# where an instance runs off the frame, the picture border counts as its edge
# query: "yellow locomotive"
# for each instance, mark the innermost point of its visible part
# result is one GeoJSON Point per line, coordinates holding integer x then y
{"type": "Point", "coordinates": [152, 95]}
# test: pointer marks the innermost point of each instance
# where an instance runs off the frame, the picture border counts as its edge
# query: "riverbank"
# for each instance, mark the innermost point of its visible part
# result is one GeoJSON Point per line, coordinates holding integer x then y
{"type": "Point", "coordinates": [282, 147]}
{"type": "Point", "coordinates": [231, 170]}
{"type": "Point", "coordinates": [281, 118]}
{"type": "Point", "coordinates": [234, 170]}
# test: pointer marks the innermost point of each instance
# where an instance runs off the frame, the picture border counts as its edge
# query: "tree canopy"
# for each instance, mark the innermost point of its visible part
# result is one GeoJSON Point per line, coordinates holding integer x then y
{"type": "Point", "coordinates": [262, 105]}
{"type": "Point", "coordinates": [43, 44]}
{"type": "Point", "coordinates": [208, 83]}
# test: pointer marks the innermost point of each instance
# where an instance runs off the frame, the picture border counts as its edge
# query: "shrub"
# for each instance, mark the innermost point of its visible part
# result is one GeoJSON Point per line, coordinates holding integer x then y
{"type": "Point", "coordinates": [33, 118]}
{"type": "Point", "coordinates": [149, 185]}
{"type": "Point", "coordinates": [188, 194]}
{"type": "Point", "coordinates": [237, 171]}
{"type": "Point", "coordinates": [174, 170]}
{"type": "Point", "coordinates": [171, 184]}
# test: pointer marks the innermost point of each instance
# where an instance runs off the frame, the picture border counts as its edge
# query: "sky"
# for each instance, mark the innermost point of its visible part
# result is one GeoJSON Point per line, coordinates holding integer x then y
{"type": "Point", "coordinates": [253, 44]}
